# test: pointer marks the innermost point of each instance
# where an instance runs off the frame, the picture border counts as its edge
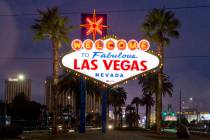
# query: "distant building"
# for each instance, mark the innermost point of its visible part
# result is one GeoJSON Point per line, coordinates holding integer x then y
{"type": "Point", "coordinates": [16, 86]}
{"type": "Point", "coordinates": [194, 115]}
{"type": "Point", "coordinates": [48, 93]}
{"type": "Point", "coordinates": [152, 118]}
{"type": "Point", "coordinates": [111, 114]}
{"type": "Point", "coordinates": [67, 101]}
{"type": "Point", "coordinates": [63, 100]}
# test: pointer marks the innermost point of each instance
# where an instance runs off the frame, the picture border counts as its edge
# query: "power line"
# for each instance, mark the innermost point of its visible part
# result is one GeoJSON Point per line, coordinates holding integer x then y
{"type": "Point", "coordinates": [49, 59]}
{"type": "Point", "coordinates": [188, 56]}
{"type": "Point", "coordinates": [26, 58]}
{"type": "Point", "coordinates": [169, 8]}
{"type": "Point", "coordinates": [113, 11]}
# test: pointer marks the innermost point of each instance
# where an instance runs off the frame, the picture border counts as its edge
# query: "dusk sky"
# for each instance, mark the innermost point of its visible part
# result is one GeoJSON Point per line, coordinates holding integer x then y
{"type": "Point", "coordinates": [190, 74]}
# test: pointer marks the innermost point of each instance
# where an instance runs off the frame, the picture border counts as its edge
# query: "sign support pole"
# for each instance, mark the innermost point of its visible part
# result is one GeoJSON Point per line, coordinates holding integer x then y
{"type": "Point", "coordinates": [82, 105]}
{"type": "Point", "coordinates": [104, 109]}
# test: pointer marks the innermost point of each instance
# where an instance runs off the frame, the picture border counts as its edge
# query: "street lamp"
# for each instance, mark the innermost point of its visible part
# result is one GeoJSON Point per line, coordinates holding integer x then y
{"type": "Point", "coordinates": [191, 99]}
{"type": "Point", "coordinates": [69, 97]}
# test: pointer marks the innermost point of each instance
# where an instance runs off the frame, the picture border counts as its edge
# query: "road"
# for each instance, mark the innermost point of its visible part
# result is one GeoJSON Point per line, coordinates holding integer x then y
{"type": "Point", "coordinates": [115, 135]}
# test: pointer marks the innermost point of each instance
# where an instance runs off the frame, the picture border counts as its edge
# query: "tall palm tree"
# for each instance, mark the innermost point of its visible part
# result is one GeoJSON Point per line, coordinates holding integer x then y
{"type": "Point", "coordinates": [116, 98]}
{"type": "Point", "coordinates": [150, 85]}
{"type": "Point", "coordinates": [51, 25]}
{"type": "Point", "coordinates": [137, 101]}
{"type": "Point", "coordinates": [148, 101]}
{"type": "Point", "coordinates": [159, 26]}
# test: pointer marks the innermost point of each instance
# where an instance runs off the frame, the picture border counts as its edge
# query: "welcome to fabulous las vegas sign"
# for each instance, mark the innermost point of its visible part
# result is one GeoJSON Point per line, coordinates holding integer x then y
{"type": "Point", "coordinates": [110, 61]}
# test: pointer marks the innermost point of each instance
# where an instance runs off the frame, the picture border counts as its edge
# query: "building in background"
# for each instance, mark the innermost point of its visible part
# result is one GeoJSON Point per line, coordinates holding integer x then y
{"type": "Point", "coordinates": [64, 100]}
{"type": "Point", "coordinates": [194, 115]}
{"type": "Point", "coordinates": [15, 86]}
{"type": "Point", "coordinates": [48, 93]}
{"type": "Point", "coordinates": [67, 101]}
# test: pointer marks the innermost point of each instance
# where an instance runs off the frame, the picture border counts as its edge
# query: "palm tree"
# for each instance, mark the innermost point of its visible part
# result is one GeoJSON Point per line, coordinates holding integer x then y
{"type": "Point", "coordinates": [116, 98]}
{"type": "Point", "coordinates": [70, 83]}
{"type": "Point", "coordinates": [137, 101]}
{"type": "Point", "coordinates": [148, 101]}
{"type": "Point", "coordinates": [120, 116]}
{"type": "Point", "coordinates": [50, 25]}
{"type": "Point", "coordinates": [160, 25]}
{"type": "Point", "coordinates": [150, 85]}
{"type": "Point", "coordinates": [131, 116]}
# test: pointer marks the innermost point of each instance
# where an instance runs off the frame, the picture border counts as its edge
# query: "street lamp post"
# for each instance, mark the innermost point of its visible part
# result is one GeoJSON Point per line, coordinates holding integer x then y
{"type": "Point", "coordinates": [69, 98]}
{"type": "Point", "coordinates": [180, 105]}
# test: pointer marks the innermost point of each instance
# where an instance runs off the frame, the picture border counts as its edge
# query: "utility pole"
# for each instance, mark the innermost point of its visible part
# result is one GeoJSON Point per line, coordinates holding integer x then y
{"type": "Point", "coordinates": [5, 110]}
{"type": "Point", "coordinates": [180, 105]}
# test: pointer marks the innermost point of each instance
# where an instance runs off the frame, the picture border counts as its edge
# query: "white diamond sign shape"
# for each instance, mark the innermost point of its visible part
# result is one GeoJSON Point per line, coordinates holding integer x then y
{"type": "Point", "coordinates": [110, 66]}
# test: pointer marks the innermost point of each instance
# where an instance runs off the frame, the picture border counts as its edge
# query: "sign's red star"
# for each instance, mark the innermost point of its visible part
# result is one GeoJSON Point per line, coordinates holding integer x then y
{"type": "Point", "coordinates": [94, 26]}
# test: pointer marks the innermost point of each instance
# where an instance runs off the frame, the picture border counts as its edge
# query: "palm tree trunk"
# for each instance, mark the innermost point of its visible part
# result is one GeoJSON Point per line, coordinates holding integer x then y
{"type": "Point", "coordinates": [159, 104]}
{"type": "Point", "coordinates": [107, 112]}
{"type": "Point", "coordinates": [146, 116]}
{"type": "Point", "coordinates": [115, 116]}
{"type": "Point", "coordinates": [149, 116]}
{"type": "Point", "coordinates": [130, 119]}
{"type": "Point", "coordinates": [159, 94]}
{"type": "Point", "coordinates": [137, 109]}
{"type": "Point", "coordinates": [121, 120]}
{"type": "Point", "coordinates": [55, 44]}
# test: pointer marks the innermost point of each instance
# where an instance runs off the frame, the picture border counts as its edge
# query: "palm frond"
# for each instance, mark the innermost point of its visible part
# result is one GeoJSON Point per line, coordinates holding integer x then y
{"type": "Point", "coordinates": [50, 24]}
{"type": "Point", "coordinates": [160, 25]}
{"type": "Point", "coordinates": [149, 84]}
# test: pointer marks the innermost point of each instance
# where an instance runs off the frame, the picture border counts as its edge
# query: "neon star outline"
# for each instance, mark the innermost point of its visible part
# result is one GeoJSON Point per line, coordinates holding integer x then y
{"type": "Point", "coordinates": [94, 26]}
